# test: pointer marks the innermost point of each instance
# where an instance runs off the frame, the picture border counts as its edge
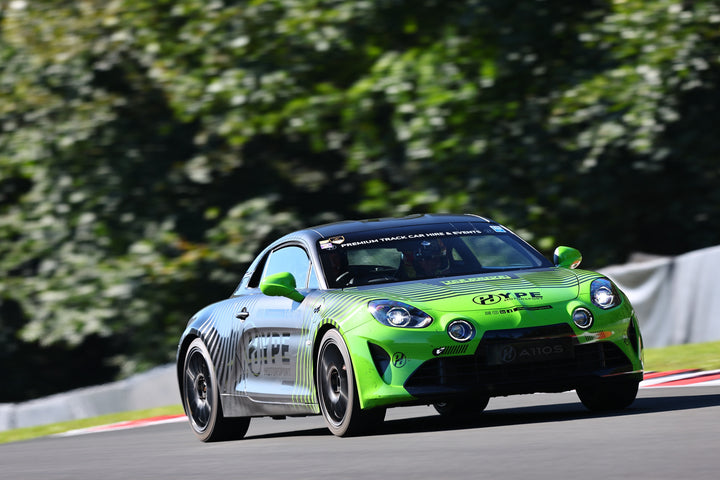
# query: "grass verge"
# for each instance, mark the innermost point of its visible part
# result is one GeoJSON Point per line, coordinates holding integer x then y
{"type": "Point", "coordinates": [43, 430]}
{"type": "Point", "coordinates": [703, 356]}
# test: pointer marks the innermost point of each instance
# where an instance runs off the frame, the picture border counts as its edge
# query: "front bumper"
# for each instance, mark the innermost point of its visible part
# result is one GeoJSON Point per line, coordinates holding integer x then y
{"type": "Point", "coordinates": [547, 358]}
{"type": "Point", "coordinates": [541, 359]}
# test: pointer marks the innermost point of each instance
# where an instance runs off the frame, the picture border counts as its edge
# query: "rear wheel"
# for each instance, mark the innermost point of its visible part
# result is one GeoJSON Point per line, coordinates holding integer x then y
{"type": "Point", "coordinates": [337, 391]}
{"type": "Point", "coordinates": [201, 399]}
{"type": "Point", "coordinates": [608, 395]}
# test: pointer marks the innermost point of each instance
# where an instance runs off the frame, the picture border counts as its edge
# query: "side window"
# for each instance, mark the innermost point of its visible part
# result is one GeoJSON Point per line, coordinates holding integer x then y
{"type": "Point", "coordinates": [294, 260]}
{"type": "Point", "coordinates": [254, 281]}
{"type": "Point", "coordinates": [313, 281]}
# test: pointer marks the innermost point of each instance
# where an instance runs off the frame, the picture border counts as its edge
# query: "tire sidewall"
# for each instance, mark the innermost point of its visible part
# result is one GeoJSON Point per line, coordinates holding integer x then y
{"type": "Point", "coordinates": [608, 395]}
{"type": "Point", "coordinates": [333, 337]}
{"type": "Point", "coordinates": [197, 346]}
{"type": "Point", "coordinates": [468, 406]}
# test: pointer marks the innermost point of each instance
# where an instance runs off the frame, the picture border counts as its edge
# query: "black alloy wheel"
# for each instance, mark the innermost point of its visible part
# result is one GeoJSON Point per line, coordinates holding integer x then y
{"type": "Point", "coordinates": [337, 391]}
{"type": "Point", "coordinates": [201, 399]}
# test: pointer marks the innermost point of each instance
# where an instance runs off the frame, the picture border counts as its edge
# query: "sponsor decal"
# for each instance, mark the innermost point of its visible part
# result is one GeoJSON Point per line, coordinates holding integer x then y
{"type": "Point", "coordinates": [517, 309]}
{"type": "Point", "coordinates": [493, 298]}
{"type": "Point", "coordinates": [268, 350]}
{"type": "Point", "coordinates": [508, 354]}
{"type": "Point", "coordinates": [331, 243]}
{"type": "Point", "coordinates": [451, 350]}
{"type": "Point", "coordinates": [498, 228]}
{"type": "Point", "coordinates": [327, 244]}
{"type": "Point", "coordinates": [487, 278]}
{"type": "Point", "coordinates": [526, 352]}
{"type": "Point", "coordinates": [399, 360]}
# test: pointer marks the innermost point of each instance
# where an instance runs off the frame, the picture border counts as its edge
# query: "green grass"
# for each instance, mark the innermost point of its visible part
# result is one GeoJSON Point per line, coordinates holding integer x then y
{"type": "Point", "coordinates": [43, 430]}
{"type": "Point", "coordinates": [703, 356]}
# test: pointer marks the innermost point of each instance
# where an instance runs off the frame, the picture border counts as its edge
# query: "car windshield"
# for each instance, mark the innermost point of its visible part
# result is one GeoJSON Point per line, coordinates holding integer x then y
{"type": "Point", "coordinates": [429, 251]}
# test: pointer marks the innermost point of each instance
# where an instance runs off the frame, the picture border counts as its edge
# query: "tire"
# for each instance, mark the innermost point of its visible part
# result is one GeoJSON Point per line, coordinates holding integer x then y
{"type": "Point", "coordinates": [462, 407]}
{"type": "Point", "coordinates": [201, 399]}
{"type": "Point", "coordinates": [337, 390]}
{"type": "Point", "coordinates": [607, 395]}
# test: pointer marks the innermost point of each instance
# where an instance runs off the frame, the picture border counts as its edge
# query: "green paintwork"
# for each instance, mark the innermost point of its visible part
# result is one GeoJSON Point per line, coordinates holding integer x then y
{"type": "Point", "coordinates": [567, 257]}
{"type": "Point", "coordinates": [281, 285]}
{"type": "Point", "coordinates": [558, 290]}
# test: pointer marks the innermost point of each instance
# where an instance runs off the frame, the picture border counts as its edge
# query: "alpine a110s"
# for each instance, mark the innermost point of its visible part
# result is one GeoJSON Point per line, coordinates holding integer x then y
{"type": "Point", "coordinates": [348, 319]}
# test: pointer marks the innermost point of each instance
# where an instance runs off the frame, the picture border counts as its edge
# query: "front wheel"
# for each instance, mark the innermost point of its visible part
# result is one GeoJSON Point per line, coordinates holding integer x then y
{"type": "Point", "coordinates": [337, 390]}
{"type": "Point", "coordinates": [608, 395]}
{"type": "Point", "coordinates": [201, 399]}
{"type": "Point", "coordinates": [469, 407]}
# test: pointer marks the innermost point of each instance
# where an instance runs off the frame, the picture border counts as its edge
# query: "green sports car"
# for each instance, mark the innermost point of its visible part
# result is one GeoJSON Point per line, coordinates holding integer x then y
{"type": "Point", "coordinates": [348, 319]}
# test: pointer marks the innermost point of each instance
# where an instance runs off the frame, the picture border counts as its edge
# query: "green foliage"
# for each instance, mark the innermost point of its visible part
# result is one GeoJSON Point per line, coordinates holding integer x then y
{"type": "Point", "coordinates": [149, 149]}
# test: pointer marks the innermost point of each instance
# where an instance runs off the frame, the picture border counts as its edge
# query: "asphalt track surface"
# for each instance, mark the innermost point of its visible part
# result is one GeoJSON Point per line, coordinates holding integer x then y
{"type": "Point", "coordinates": [668, 433]}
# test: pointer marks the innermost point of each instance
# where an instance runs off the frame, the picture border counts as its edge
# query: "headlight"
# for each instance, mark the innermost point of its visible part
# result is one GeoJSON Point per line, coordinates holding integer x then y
{"type": "Point", "coordinates": [582, 318]}
{"type": "Point", "coordinates": [461, 330]}
{"type": "Point", "coordinates": [398, 314]}
{"type": "Point", "coordinates": [604, 294]}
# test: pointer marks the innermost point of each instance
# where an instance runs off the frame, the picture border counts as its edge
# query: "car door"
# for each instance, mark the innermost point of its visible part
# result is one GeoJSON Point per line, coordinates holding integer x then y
{"type": "Point", "coordinates": [273, 332]}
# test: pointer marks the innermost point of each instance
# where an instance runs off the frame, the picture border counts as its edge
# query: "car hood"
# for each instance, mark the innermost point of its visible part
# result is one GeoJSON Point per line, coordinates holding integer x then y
{"type": "Point", "coordinates": [486, 291]}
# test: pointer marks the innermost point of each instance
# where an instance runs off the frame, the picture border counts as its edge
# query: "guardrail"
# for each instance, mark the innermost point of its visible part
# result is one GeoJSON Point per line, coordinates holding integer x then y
{"type": "Point", "coordinates": [675, 298]}
{"type": "Point", "coordinates": [154, 388]}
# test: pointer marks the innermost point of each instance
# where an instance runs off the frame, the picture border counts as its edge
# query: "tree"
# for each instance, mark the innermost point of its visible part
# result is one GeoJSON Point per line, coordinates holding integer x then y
{"type": "Point", "coordinates": [150, 149]}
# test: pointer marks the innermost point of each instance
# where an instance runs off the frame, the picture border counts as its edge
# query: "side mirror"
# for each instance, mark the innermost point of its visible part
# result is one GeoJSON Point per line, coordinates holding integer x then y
{"type": "Point", "coordinates": [281, 285]}
{"type": "Point", "coordinates": [567, 257]}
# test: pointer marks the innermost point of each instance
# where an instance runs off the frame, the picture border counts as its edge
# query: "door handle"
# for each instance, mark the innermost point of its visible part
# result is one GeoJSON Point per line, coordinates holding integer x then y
{"type": "Point", "coordinates": [243, 315]}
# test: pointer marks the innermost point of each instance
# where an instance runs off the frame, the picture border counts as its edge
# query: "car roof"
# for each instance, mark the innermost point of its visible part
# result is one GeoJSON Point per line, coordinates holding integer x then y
{"type": "Point", "coordinates": [355, 226]}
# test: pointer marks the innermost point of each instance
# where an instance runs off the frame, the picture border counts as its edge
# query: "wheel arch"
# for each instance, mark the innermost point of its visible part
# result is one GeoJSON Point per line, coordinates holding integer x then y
{"type": "Point", "coordinates": [319, 334]}
{"type": "Point", "coordinates": [324, 327]}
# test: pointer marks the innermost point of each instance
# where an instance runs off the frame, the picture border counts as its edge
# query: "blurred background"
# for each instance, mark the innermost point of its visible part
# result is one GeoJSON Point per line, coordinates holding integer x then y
{"type": "Point", "coordinates": [149, 149]}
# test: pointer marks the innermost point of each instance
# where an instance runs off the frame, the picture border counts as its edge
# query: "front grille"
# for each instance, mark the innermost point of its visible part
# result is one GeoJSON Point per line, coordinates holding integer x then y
{"type": "Point", "coordinates": [553, 370]}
